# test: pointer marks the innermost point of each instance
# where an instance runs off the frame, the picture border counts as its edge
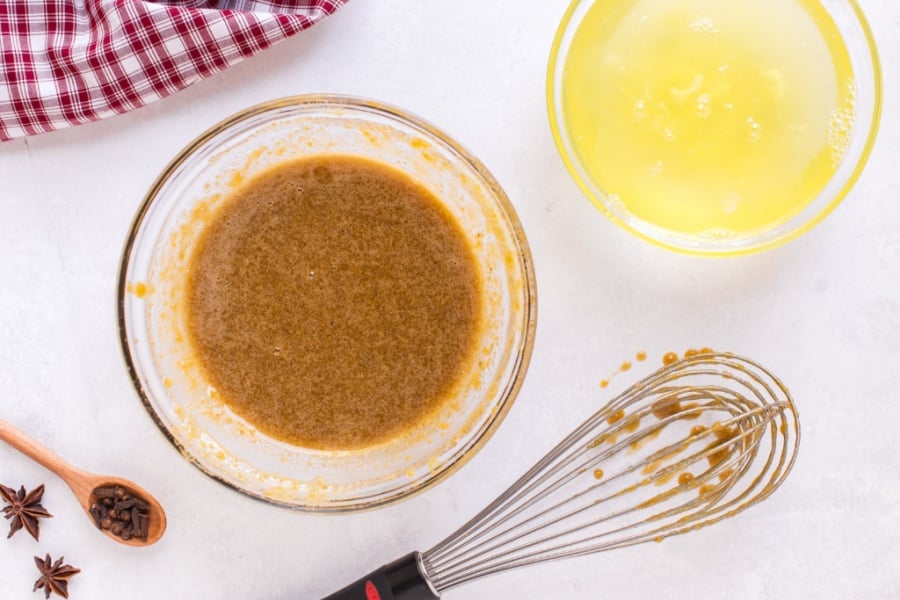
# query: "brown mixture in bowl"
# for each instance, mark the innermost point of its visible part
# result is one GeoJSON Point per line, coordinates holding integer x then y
{"type": "Point", "coordinates": [332, 302]}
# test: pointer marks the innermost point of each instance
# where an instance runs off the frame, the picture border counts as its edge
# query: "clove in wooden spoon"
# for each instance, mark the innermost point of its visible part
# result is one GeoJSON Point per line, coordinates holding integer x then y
{"type": "Point", "coordinates": [83, 483]}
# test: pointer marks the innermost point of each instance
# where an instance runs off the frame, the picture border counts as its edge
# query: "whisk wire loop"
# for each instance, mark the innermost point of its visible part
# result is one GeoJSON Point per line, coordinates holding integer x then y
{"type": "Point", "coordinates": [692, 444]}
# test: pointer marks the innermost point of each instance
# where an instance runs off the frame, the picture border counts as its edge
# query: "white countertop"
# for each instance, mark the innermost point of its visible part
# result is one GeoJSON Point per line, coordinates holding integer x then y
{"type": "Point", "coordinates": [822, 312]}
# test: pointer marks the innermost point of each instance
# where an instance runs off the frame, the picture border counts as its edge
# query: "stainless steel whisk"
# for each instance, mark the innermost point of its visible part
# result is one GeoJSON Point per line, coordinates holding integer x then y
{"type": "Point", "coordinates": [696, 442]}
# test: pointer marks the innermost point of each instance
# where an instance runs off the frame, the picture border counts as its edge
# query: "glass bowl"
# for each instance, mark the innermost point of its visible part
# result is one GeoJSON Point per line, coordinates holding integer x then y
{"type": "Point", "coordinates": [861, 48]}
{"type": "Point", "coordinates": [184, 406]}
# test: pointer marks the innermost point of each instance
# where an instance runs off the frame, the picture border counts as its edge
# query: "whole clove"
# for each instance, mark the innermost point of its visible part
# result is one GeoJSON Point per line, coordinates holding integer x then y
{"type": "Point", "coordinates": [119, 511]}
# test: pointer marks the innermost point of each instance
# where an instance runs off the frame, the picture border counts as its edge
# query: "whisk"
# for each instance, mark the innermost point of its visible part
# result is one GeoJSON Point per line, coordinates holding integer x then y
{"type": "Point", "coordinates": [692, 444]}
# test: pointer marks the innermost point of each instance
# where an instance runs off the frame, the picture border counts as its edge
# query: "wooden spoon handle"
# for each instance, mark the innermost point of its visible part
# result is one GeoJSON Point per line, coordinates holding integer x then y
{"type": "Point", "coordinates": [37, 452]}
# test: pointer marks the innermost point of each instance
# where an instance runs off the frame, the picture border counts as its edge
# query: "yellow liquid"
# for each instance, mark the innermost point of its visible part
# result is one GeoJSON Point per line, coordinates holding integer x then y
{"type": "Point", "coordinates": [715, 118]}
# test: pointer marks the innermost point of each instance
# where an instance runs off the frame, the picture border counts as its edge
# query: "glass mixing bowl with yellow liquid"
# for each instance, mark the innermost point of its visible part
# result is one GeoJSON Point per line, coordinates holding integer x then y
{"type": "Point", "coordinates": [714, 127]}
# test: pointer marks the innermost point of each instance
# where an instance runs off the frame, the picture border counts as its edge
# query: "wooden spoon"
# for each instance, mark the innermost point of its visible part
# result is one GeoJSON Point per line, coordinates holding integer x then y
{"type": "Point", "coordinates": [83, 484]}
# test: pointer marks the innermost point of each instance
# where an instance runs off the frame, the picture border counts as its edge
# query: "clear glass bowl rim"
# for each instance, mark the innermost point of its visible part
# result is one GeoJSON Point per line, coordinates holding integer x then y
{"type": "Point", "coordinates": [522, 354]}
{"type": "Point", "coordinates": [557, 128]}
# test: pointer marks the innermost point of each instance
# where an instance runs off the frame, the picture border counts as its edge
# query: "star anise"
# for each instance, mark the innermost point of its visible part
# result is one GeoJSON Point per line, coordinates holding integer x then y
{"type": "Point", "coordinates": [54, 576]}
{"type": "Point", "coordinates": [24, 509]}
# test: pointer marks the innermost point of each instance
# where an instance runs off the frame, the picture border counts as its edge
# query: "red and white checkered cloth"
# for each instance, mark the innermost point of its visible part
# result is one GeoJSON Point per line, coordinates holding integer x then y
{"type": "Point", "coordinates": [66, 62]}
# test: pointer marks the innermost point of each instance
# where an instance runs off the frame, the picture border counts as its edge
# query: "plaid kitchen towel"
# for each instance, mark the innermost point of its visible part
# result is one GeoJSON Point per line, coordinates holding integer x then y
{"type": "Point", "coordinates": [66, 62]}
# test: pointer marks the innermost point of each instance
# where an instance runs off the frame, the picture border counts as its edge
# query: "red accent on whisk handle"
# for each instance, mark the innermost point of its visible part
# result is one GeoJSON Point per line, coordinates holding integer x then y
{"type": "Point", "coordinates": [400, 580]}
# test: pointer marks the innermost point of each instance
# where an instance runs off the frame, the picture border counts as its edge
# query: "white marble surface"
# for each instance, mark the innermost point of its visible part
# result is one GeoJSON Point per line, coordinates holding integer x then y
{"type": "Point", "coordinates": [823, 312]}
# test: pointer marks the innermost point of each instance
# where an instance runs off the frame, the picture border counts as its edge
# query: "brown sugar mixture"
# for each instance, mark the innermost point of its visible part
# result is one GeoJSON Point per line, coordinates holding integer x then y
{"type": "Point", "coordinates": [332, 302]}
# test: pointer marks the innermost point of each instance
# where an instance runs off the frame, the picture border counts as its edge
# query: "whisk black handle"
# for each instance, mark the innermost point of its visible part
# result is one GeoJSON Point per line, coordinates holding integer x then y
{"type": "Point", "coordinates": [400, 580]}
